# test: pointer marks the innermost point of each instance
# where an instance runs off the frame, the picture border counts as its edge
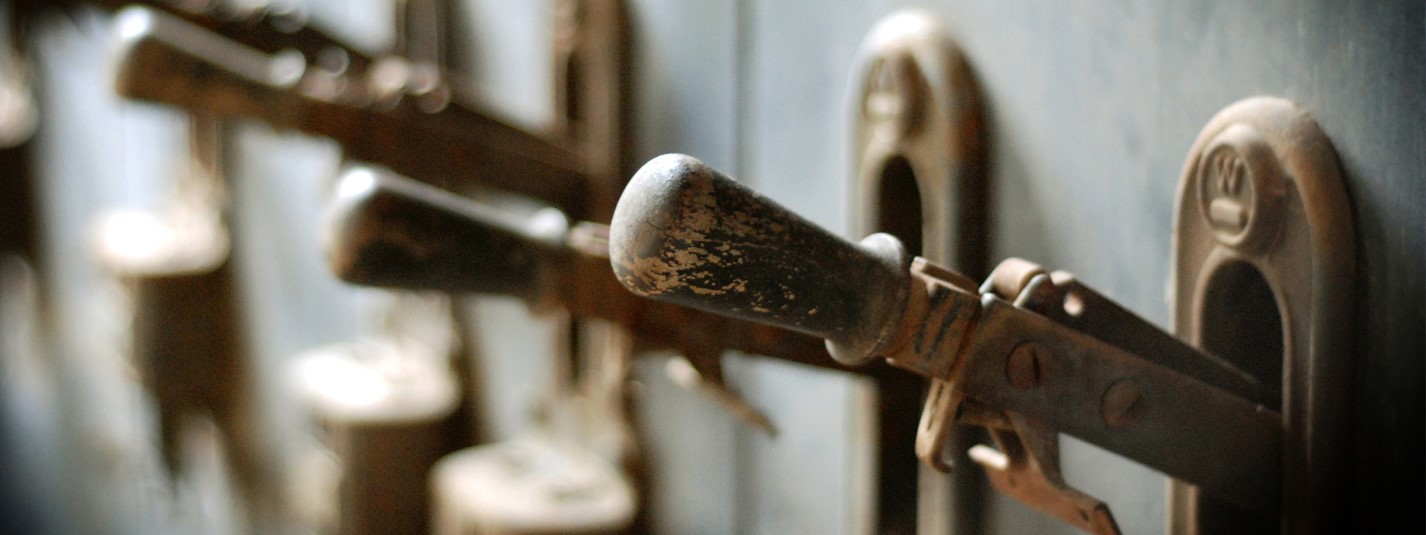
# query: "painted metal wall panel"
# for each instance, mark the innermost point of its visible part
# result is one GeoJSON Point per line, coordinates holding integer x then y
{"type": "Point", "coordinates": [1092, 106]}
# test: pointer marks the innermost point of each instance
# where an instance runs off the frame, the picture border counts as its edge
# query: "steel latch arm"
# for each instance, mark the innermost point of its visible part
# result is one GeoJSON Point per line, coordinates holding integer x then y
{"type": "Point", "coordinates": [1010, 358]}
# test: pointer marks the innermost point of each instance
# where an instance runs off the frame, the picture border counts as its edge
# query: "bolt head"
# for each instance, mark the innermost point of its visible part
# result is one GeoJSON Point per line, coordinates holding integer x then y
{"type": "Point", "coordinates": [1028, 365]}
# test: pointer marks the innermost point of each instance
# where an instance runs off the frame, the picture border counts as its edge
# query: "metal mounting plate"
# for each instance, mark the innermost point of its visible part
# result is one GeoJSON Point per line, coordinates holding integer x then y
{"type": "Point", "coordinates": [919, 105]}
{"type": "Point", "coordinates": [1264, 265]}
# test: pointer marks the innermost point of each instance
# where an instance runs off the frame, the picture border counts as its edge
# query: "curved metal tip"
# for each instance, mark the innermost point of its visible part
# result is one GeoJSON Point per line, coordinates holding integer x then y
{"type": "Point", "coordinates": [133, 26]}
{"type": "Point", "coordinates": [658, 181]}
{"type": "Point", "coordinates": [133, 22]}
{"type": "Point", "coordinates": [356, 186]}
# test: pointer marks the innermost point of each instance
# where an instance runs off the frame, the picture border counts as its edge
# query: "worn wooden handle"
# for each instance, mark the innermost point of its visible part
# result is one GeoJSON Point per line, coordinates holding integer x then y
{"type": "Point", "coordinates": [687, 234]}
{"type": "Point", "coordinates": [388, 231]}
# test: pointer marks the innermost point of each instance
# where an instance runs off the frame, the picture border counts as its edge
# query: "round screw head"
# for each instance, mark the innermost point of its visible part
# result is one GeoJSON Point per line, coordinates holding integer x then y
{"type": "Point", "coordinates": [1123, 404]}
{"type": "Point", "coordinates": [1027, 366]}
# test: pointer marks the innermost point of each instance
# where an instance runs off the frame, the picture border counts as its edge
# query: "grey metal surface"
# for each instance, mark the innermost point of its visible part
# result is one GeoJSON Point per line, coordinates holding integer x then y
{"type": "Point", "coordinates": [1092, 106]}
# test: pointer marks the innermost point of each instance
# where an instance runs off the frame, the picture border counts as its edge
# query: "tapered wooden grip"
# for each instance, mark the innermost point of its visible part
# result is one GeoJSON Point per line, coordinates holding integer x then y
{"type": "Point", "coordinates": [687, 234]}
{"type": "Point", "coordinates": [387, 231]}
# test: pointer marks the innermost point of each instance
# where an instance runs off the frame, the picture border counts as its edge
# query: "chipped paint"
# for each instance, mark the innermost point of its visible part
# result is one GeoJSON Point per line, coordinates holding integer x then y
{"type": "Point", "coordinates": [686, 234]}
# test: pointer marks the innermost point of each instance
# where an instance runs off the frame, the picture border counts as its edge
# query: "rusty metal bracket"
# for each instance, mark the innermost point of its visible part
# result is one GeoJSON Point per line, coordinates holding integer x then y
{"type": "Point", "coordinates": [1026, 466]}
{"type": "Point", "coordinates": [1264, 274]}
{"type": "Point", "coordinates": [591, 70]}
{"type": "Point", "coordinates": [590, 58]}
{"type": "Point", "coordinates": [1025, 463]}
{"type": "Point", "coordinates": [1086, 387]}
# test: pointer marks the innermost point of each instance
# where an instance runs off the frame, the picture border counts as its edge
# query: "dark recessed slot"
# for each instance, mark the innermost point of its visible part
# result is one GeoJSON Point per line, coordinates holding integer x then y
{"type": "Point", "coordinates": [898, 209]}
{"type": "Point", "coordinates": [898, 212]}
{"type": "Point", "coordinates": [1242, 324]}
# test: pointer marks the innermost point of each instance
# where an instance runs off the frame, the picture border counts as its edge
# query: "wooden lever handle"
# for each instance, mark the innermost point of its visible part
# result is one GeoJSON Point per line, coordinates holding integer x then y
{"type": "Point", "coordinates": [388, 231]}
{"type": "Point", "coordinates": [164, 59]}
{"type": "Point", "coordinates": [687, 234]}
{"type": "Point", "coordinates": [385, 230]}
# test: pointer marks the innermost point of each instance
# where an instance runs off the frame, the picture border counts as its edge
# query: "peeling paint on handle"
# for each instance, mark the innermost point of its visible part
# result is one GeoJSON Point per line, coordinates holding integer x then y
{"type": "Point", "coordinates": [687, 234]}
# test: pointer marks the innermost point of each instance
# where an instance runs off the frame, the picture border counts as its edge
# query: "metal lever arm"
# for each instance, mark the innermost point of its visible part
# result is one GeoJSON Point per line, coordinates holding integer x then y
{"type": "Point", "coordinates": [687, 234]}
{"type": "Point", "coordinates": [378, 116]}
{"type": "Point", "coordinates": [384, 230]}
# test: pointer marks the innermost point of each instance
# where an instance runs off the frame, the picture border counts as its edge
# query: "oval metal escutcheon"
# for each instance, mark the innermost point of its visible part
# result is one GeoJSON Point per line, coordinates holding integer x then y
{"type": "Point", "coordinates": [919, 143]}
{"type": "Point", "coordinates": [919, 155]}
{"type": "Point", "coordinates": [1264, 274]}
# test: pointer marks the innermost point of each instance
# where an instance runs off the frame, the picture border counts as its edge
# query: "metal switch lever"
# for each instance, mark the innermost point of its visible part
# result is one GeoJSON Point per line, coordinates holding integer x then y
{"type": "Point", "coordinates": [378, 115]}
{"type": "Point", "coordinates": [687, 234]}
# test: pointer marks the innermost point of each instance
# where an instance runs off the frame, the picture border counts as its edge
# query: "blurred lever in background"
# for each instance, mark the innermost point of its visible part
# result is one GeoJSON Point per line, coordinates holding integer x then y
{"type": "Point", "coordinates": [390, 114]}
